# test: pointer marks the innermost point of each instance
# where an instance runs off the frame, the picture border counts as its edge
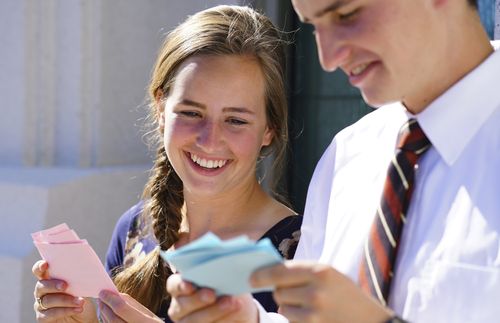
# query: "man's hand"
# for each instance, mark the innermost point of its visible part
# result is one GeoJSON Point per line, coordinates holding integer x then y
{"type": "Point", "coordinates": [189, 304]}
{"type": "Point", "coordinates": [311, 292]}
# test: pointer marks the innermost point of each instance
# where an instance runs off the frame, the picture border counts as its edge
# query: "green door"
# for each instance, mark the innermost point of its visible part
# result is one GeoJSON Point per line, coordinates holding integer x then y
{"type": "Point", "coordinates": [321, 104]}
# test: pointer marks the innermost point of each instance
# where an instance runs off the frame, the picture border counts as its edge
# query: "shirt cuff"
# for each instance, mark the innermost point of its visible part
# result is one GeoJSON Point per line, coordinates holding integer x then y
{"type": "Point", "coordinates": [267, 317]}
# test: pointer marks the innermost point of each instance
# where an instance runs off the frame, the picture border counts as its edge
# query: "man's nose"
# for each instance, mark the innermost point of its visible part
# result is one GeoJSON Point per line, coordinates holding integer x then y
{"type": "Point", "coordinates": [332, 50]}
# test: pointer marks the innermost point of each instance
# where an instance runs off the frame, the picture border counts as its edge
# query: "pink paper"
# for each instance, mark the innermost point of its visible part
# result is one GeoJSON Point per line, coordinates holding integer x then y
{"type": "Point", "coordinates": [72, 260]}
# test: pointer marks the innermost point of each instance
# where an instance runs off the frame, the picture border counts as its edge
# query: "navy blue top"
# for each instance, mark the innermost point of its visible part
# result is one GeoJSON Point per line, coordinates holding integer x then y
{"type": "Point", "coordinates": [132, 239]}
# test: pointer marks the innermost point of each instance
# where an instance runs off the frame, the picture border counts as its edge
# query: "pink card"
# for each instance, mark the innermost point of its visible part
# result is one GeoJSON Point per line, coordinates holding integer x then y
{"type": "Point", "coordinates": [72, 260]}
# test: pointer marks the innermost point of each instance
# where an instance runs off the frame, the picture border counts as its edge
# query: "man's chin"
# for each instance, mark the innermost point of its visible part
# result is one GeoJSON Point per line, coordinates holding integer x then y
{"type": "Point", "coordinates": [376, 102]}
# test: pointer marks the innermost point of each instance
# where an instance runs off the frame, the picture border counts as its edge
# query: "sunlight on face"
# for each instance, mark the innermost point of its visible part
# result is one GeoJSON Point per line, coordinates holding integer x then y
{"type": "Point", "coordinates": [383, 46]}
{"type": "Point", "coordinates": [215, 123]}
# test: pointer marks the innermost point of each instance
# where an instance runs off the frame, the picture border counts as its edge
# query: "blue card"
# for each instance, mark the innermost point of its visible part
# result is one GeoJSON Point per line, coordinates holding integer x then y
{"type": "Point", "coordinates": [224, 266]}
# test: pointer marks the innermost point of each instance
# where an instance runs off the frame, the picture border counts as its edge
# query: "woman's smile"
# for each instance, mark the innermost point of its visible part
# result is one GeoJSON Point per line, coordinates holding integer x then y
{"type": "Point", "coordinates": [207, 166]}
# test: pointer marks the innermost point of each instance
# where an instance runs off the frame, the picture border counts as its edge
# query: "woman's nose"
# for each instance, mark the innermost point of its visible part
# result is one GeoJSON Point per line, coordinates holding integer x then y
{"type": "Point", "coordinates": [209, 136]}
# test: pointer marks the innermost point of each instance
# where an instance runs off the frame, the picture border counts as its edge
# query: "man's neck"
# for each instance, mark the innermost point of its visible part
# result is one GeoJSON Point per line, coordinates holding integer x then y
{"type": "Point", "coordinates": [467, 47]}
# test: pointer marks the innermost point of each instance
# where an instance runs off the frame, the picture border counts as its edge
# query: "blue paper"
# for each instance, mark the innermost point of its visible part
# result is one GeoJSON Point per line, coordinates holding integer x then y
{"type": "Point", "coordinates": [224, 266]}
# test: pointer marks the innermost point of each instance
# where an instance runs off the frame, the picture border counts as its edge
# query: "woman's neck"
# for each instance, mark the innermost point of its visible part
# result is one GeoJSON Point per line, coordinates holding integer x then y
{"type": "Point", "coordinates": [227, 215]}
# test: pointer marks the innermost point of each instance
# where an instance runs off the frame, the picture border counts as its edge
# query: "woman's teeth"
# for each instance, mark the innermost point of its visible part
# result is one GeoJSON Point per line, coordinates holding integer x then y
{"type": "Point", "coordinates": [208, 163]}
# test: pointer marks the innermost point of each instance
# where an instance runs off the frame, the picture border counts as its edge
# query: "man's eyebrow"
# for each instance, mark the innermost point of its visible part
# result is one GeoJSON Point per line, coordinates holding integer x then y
{"type": "Point", "coordinates": [332, 7]}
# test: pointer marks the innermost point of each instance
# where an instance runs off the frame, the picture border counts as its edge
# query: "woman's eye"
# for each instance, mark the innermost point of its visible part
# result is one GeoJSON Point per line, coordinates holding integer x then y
{"type": "Point", "coordinates": [236, 122]}
{"type": "Point", "coordinates": [190, 114]}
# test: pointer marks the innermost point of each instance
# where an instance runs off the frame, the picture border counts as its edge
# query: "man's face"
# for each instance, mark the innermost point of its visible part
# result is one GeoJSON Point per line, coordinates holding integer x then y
{"type": "Point", "coordinates": [386, 47]}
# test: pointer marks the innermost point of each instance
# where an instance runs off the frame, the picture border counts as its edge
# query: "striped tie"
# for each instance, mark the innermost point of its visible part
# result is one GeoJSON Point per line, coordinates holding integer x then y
{"type": "Point", "coordinates": [381, 247]}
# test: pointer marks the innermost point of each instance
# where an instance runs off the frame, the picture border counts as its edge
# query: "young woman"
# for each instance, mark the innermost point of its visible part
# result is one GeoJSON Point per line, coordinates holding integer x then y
{"type": "Point", "coordinates": [218, 105]}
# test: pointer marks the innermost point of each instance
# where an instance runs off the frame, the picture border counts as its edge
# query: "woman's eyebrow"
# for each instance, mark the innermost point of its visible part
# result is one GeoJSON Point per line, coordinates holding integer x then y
{"type": "Point", "coordinates": [225, 109]}
{"type": "Point", "coordinates": [238, 110]}
{"type": "Point", "coordinates": [192, 103]}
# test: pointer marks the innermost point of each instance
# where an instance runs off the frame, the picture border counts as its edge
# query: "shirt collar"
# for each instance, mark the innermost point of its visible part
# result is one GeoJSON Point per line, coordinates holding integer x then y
{"type": "Point", "coordinates": [460, 112]}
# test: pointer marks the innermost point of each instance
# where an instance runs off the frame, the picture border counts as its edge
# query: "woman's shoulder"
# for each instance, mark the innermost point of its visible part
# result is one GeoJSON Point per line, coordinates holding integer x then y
{"type": "Point", "coordinates": [118, 243]}
{"type": "Point", "coordinates": [285, 235]}
{"type": "Point", "coordinates": [129, 217]}
{"type": "Point", "coordinates": [139, 238]}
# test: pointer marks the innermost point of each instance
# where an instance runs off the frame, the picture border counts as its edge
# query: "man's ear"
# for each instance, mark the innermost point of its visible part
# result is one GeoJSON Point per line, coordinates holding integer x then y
{"type": "Point", "coordinates": [160, 109]}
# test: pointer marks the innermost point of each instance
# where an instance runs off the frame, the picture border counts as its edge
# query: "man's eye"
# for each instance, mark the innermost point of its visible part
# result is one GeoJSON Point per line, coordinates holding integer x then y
{"type": "Point", "coordinates": [346, 17]}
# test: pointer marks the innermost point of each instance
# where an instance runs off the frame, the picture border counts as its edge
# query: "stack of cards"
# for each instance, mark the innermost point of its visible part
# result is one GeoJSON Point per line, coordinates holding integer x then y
{"type": "Point", "coordinates": [72, 260]}
{"type": "Point", "coordinates": [224, 266]}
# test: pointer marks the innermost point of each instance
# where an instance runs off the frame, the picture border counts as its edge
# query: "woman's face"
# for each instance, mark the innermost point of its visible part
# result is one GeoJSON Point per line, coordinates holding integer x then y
{"type": "Point", "coordinates": [215, 123]}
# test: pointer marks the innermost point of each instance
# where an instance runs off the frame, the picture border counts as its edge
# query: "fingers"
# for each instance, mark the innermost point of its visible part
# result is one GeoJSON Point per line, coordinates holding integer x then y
{"type": "Point", "coordinates": [176, 286]}
{"type": "Point", "coordinates": [288, 274]}
{"type": "Point", "coordinates": [185, 298]}
{"type": "Point", "coordinates": [55, 314]}
{"type": "Point", "coordinates": [191, 305]}
{"type": "Point", "coordinates": [123, 308]}
{"type": "Point", "coordinates": [54, 303]}
{"type": "Point", "coordinates": [48, 286]}
{"type": "Point", "coordinates": [294, 296]}
{"type": "Point", "coordinates": [216, 312]}
{"type": "Point", "coordinates": [108, 315]}
{"type": "Point", "coordinates": [59, 300]}
{"type": "Point", "coordinates": [182, 306]}
{"type": "Point", "coordinates": [113, 308]}
{"type": "Point", "coordinates": [297, 314]}
{"type": "Point", "coordinates": [39, 269]}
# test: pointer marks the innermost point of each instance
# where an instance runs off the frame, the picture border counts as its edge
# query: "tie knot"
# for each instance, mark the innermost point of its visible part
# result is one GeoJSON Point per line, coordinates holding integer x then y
{"type": "Point", "coordinates": [412, 138]}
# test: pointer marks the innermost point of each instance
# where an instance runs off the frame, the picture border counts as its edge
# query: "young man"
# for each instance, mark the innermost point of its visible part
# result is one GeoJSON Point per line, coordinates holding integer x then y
{"type": "Point", "coordinates": [431, 62]}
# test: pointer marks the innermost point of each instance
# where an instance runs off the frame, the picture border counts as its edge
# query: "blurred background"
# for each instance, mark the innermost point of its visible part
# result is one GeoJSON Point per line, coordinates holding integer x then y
{"type": "Point", "coordinates": [73, 79]}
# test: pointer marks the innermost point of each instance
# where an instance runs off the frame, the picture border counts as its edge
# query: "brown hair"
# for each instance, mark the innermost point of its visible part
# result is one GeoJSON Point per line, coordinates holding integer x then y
{"type": "Point", "coordinates": [222, 30]}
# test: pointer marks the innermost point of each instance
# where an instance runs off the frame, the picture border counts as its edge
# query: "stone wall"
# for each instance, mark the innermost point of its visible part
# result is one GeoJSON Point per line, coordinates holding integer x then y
{"type": "Point", "coordinates": [73, 81]}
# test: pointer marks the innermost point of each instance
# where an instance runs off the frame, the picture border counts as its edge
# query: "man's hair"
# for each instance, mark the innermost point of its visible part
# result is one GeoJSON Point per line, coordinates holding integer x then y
{"type": "Point", "coordinates": [473, 3]}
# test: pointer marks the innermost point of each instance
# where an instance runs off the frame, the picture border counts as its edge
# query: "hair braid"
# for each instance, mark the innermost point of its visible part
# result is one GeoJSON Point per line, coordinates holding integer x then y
{"type": "Point", "coordinates": [146, 279]}
{"type": "Point", "coordinates": [222, 30]}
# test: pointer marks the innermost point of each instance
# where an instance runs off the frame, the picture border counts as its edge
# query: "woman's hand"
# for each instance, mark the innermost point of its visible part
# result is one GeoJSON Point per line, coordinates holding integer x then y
{"type": "Point", "coordinates": [122, 308]}
{"type": "Point", "coordinates": [52, 304]}
{"type": "Point", "coordinates": [189, 304]}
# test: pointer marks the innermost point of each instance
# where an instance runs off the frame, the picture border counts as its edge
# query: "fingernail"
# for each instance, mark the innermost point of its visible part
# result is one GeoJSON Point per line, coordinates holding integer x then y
{"type": "Point", "coordinates": [184, 287]}
{"type": "Point", "coordinates": [225, 304]}
{"type": "Point", "coordinates": [60, 286]}
{"type": "Point", "coordinates": [252, 280]}
{"type": "Point", "coordinates": [205, 296]}
{"type": "Point", "coordinates": [78, 309]}
{"type": "Point", "coordinates": [78, 300]}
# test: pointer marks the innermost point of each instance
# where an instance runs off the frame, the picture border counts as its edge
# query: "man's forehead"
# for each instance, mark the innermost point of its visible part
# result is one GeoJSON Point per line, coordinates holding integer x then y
{"type": "Point", "coordinates": [310, 9]}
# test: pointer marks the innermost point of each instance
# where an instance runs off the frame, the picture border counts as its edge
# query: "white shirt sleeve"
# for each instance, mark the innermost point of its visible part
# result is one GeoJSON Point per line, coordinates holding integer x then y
{"type": "Point", "coordinates": [312, 234]}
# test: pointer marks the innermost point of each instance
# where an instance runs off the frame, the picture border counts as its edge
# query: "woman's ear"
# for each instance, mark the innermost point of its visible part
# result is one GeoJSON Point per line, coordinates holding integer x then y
{"type": "Point", "coordinates": [160, 109]}
{"type": "Point", "coordinates": [268, 137]}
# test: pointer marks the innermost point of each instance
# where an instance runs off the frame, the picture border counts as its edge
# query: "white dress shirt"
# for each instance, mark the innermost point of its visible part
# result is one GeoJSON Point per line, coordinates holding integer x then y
{"type": "Point", "coordinates": [448, 265]}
